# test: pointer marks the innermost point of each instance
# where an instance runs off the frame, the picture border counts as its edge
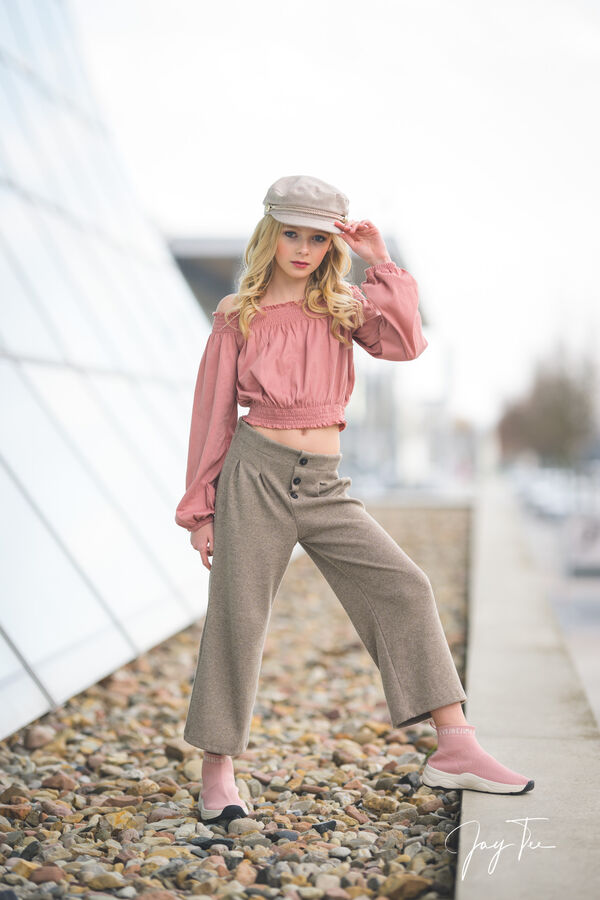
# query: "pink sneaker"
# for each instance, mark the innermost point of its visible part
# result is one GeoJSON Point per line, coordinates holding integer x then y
{"type": "Point", "coordinates": [460, 763]}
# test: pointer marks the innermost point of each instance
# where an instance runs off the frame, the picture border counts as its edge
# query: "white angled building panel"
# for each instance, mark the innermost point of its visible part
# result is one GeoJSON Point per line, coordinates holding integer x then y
{"type": "Point", "coordinates": [100, 341]}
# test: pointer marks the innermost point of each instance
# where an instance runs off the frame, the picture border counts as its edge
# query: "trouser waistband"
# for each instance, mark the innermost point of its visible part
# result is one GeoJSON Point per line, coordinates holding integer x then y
{"type": "Point", "coordinates": [246, 437]}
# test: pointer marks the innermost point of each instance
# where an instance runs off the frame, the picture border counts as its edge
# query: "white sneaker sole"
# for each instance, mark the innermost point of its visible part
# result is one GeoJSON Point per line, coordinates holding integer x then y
{"type": "Point", "coordinates": [468, 781]}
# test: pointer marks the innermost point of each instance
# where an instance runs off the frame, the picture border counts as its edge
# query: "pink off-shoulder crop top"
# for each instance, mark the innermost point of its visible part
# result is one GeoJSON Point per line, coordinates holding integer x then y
{"type": "Point", "coordinates": [292, 373]}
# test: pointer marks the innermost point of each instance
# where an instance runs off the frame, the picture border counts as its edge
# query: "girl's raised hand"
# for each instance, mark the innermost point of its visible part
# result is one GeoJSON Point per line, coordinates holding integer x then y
{"type": "Point", "coordinates": [364, 238]}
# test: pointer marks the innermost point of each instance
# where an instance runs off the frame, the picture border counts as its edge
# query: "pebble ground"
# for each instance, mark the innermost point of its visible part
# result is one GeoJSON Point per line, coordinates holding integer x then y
{"type": "Point", "coordinates": [98, 798]}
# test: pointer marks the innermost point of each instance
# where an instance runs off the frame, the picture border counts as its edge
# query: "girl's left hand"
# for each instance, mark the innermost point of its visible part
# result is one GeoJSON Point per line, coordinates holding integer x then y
{"type": "Point", "coordinates": [364, 238]}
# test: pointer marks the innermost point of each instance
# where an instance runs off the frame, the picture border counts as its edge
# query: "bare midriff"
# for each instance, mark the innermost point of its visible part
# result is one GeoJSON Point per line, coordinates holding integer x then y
{"type": "Point", "coordinates": [316, 440]}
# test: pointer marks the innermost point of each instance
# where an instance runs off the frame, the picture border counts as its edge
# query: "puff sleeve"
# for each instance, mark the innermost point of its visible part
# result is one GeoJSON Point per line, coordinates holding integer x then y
{"type": "Point", "coordinates": [214, 418]}
{"type": "Point", "coordinates": [392, 327]}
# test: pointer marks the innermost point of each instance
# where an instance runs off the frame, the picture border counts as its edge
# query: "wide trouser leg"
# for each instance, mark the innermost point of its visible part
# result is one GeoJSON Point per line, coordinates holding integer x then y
{"type": "Point", "coordinates": [254, 535]}
{"type": "Point", "coordinates": [388, 598]}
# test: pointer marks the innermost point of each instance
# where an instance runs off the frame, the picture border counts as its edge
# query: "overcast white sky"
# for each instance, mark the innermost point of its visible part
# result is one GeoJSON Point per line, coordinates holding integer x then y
{"type": "Point", "coordinates": [467, 131]}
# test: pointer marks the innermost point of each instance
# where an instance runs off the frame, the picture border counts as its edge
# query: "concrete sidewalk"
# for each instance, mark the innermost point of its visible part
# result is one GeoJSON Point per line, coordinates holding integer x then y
{"type": "Point", "coordinates": [531, 712]}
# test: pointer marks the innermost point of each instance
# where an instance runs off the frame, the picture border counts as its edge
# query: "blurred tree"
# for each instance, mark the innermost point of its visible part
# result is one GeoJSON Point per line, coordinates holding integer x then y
{"type": "Point", "coordinates": [557, 416]}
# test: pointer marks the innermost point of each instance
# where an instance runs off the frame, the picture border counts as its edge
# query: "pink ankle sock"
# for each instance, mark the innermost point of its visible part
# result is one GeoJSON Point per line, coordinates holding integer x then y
{"type": "Point", "coordinates": [459, 751]}
{"type": "Point", "coordinates": [218, 782]}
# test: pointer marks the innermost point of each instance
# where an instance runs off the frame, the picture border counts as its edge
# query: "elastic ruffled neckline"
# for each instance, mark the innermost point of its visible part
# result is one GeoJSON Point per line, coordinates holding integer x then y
{"type": "Point", "coordinates": [269, 306]}
{"type": "Point", "coordinates": [283, 303]}
{"type": "Point", "coordinates": [278, 314]}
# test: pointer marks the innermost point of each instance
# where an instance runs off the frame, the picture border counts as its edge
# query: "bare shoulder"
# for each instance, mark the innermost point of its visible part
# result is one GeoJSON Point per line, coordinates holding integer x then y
{"type": "Point", "coordinates": [227, 303]}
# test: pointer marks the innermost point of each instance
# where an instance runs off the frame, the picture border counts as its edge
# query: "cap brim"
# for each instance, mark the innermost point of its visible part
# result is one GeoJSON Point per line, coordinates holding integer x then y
{"type": "Point", "coordinates": [315, 222]}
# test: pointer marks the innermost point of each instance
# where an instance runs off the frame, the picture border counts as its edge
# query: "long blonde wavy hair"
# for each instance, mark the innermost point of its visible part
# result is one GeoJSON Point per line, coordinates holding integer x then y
{"type": "Point", "coordinates": [326, 294]}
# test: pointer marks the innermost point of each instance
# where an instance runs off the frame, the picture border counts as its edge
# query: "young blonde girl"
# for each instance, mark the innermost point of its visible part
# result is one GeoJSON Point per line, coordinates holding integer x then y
{"type": "Point", "coordinates": [258, 484]}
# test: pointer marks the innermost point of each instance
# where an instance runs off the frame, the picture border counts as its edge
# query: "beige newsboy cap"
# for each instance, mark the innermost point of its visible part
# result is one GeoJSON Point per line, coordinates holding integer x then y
{"type": "Point", "coordinates": [304, 200]}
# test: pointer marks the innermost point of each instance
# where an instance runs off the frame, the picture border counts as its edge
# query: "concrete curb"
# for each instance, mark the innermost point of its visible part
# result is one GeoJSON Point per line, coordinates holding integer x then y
{"type": "Point", "coordinates": [531, 712]}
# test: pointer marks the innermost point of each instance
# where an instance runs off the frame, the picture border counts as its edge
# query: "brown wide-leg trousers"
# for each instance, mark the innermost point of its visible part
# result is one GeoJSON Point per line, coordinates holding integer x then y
{"type": "Point", "coordinates": [270, 496]}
